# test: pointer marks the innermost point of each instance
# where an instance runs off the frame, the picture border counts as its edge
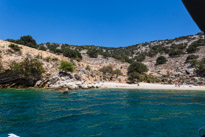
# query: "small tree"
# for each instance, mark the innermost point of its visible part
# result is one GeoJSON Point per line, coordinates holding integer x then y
{"type": "Point", "coordinates": [136, 71]}
{"type": "Point", "coordinates": [28, 41]}
{"type": "Point", "coordinates": [135, 77]}
{"type": "Point", "coordinates": [161, 60]}
{"type": "Point", "coordinates": [29, 68]}
{"type": "Point", "coordinates": [66, 66]}
{"type": "Point", "coordinates": [74, 54]}
{"type": "Point", "coordinates": [137, 67]}
{"type": "Point", "coordinates": [106, 69]}
{"type": "Point", "coordinates": [92, 53]}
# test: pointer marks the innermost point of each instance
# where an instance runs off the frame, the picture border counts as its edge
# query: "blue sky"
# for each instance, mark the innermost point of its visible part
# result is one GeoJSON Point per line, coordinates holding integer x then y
{"type": "Point", "coordinates": [110, 23]}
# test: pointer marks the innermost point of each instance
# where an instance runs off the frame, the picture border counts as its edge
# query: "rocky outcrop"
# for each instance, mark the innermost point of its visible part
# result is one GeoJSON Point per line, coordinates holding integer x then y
{"type": "Point", "coordinates": [66, 81]}
{"type": "Point", "coordinates": [11, 79]}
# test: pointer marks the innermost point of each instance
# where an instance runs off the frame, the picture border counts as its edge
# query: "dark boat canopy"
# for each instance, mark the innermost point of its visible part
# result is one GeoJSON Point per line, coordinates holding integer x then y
{"type": "Point", "coordinates": [196, 9]}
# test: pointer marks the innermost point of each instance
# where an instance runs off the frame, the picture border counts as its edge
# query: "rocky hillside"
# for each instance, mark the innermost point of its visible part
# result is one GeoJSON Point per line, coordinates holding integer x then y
{"type": "Point", "coordinates": [86, 70]}
{"type": "Point", "coordinates": [179, 53]}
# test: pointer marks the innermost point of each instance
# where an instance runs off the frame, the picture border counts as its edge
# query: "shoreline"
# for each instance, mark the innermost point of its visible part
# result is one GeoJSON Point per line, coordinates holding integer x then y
{"type": "Point", "coordinates": [149, 86]}
{"type": "Point", "coordinates": [113, 85]}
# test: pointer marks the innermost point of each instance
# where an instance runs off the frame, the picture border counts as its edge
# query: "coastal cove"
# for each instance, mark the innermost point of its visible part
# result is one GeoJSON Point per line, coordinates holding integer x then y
{"type": "Point", "coordinates": [101, 112]}
{"type": "Point", "coordinates": [102, 68]}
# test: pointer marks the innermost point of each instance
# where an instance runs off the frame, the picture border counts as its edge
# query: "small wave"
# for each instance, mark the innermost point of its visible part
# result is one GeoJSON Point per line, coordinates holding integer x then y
{"type": "Point", "coordinates": [12, 135]}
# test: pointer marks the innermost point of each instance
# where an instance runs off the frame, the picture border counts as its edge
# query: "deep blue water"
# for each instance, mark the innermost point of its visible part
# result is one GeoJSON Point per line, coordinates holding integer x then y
{"type": "Point", "coordinates": [101, 113]}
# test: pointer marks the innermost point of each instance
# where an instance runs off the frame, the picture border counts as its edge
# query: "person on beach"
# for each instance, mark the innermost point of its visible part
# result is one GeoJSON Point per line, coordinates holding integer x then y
{"type": "Point", "coordinates": [179, 84]}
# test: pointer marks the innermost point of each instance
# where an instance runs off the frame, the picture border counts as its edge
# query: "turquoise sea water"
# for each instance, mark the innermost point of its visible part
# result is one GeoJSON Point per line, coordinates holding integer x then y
{"type": "Point", "coordinates": [101, 113]}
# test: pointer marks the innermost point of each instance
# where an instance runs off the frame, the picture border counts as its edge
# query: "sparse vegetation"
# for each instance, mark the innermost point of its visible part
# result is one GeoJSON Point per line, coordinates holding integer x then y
{"type": "Point", "coordinates": [54, 59]}
{"type": "Point", "coordinates": [192, 57]}
{"type": "Point", "coordinates": [140, 58]}
{"type": "Point", "coordinates": [192, 49]}
{"type": "Point", "coordinates": [74, 54]}
{"type": "Point", "coordinates": [47, 59]}
{"type": "Point", "coordinates": [106, 69]}
{"type": "Point", "coordinates": [161, 60]}
{"type": "Point", "coordinates": [88, 68]}
{"type": "Point", "coordinates": [109, 70]}
{"type": "Point", "coordinates": [25, 40]}
{"type": "Point", "coordinates": [117, 72]}
{"type": "Point", "coordinates": [66, 66]}
{"type": "Point", "coordinates": [42, 48]}
{"type": "Point", "coordinates": [176, 52]}
{"type": "Point", "coordinates": [135, 77]}
{"type": "Point", "coordinates": [1, 68]}
{"type": "Point", "coordinates": [134, 54]}
{"type": "Point", "coordinates": [15, 47]}
{"type": "Point", "coordinates": [194, 46]}
{"type": "Point", "coordinates": [28, 68]}
{"type": "Point", "coordinates": [92, 53]}
{"type": "Point", "coordinates": [200, 68]}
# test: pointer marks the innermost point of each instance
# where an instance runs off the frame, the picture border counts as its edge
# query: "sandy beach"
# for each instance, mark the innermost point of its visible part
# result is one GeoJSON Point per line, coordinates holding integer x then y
{"type": "Point", "coordinates": [151, 86]}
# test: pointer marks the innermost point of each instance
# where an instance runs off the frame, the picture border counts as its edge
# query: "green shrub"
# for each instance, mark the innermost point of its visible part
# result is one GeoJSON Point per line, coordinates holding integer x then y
{"type": "Point", "coordinates": [176, 53]}
{"type": "Point", "coordinates": [58, 51]}
{"type": "Point", "coordinates": [92, 53]}
{"type": "Point", "coordinates": [193, 63]}
{"type": "Point", "coordinates": [198, 43]}
{"type": "Point", "coordinates": [137, 67]}
{"type": "Point", "coordinates": [150, 79]}
{"type": "Point", "coordinates": [1, 67]}
{"type": "Point", "coordinates": [135, 77]}
{"type": "Point", "coordinates": [136, 72]}
{"type": "Point", "coordinates": [178, 46]}
{"type": "Point", "coordinates": [117, 72]}
{"type": "Point", "coordinates": [54, 59]}
{"type": "Point", "coordinates": [15, 47]}
{"type": "Point", "coordinates": [42, 48]}
{"type": "Point", "coordinates": [140, 58]}
{"type": "Point", "coordinates": [161, 60]}
{"type": "Point", "coordinates": [28, 41]}
{"type": "Point", "coordinates": [52, 47]}
{"type": "Point", "coordinates": [74, 54]}
{"type": "Point", "coordinates": [105, 54]}
{"type": "Point", "coordinates": [106, 69]}
{"type": "Point", "coordinates": [25, 40]}
{"type": "Point", "coordinates": [192, 49]}
{"type": "Point", "coordinates": [200, 68]}
{"type": "Point", "coordinates": [47, 59]}
{"type": "Point", "coordinates": [192, 57]}
{"type": "Point", "coordinates": [78, 59]}
{"type": "Point", "coordinates": [66, 66]}
{"type": "Point", "coordinates": [88, 67]}
{"type": "Point", "coordinates": [28, 68]}
{"type": "Point", "coordinates": [152, 53]}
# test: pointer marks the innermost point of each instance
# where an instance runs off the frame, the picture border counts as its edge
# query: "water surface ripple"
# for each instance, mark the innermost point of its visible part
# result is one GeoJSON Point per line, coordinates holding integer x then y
{"type": "Point", "coordinates": [101, 113]}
